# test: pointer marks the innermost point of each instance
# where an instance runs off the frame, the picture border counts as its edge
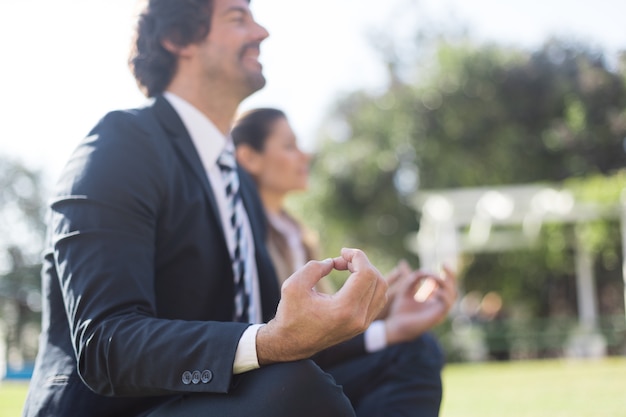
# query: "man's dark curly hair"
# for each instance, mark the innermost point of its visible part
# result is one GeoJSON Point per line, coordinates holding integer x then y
{"type": "Point", "coordinates": [182, 22]}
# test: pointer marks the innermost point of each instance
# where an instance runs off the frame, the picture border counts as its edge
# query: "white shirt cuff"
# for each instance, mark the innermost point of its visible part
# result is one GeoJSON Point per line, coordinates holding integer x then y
{"type": "Point", "coordinates": [245, 357]}
{"type": "Point", "coordinates": [375, 337]}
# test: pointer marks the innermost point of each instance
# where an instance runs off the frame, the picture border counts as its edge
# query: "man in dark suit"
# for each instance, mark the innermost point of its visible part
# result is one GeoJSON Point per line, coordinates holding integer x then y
{"type": "Point", "coordinates": [159, 296]}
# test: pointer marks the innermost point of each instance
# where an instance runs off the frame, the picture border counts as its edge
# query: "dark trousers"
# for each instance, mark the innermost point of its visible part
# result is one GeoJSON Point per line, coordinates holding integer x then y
{"type": "Point", "coordinates": [402, 380]}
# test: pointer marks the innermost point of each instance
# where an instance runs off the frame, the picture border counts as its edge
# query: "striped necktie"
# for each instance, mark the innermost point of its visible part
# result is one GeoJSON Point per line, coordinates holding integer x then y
{"type": "Point", "coordinates": [242, 272]}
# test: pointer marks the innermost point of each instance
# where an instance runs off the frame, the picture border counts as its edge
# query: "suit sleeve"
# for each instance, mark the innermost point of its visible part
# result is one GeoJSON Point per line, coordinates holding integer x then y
{"type": "Point", "coordinates": [104, 228]}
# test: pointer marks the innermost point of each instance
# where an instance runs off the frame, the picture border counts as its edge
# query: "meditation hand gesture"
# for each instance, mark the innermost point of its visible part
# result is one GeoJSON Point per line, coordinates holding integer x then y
{"type": "Point", "coordinates": [308, 321]}
{"type": "Point", "coordinates": [418, 301]}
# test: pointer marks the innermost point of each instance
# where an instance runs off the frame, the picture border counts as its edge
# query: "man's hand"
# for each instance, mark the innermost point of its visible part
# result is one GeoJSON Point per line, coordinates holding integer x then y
{"type": "Point", "coordinates": [418, 302]}
{"type": "Point", "coordinates": [308, 321]}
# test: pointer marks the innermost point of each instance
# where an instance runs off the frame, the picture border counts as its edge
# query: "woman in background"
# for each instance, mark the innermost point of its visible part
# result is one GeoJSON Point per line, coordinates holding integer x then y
{"type": "Point", "coordinates": [267, 148]}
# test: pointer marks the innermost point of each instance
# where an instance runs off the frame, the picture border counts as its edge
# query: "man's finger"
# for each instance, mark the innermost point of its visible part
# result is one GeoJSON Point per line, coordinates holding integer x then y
{"type": "Point", "coordinates": [356, 259]}
{"type": "Point", "coordinates": [363, 278]}
{"type": "Point", "coordinates": [311, 273]}
{"type": "Point", "coordinates": [341, 264]}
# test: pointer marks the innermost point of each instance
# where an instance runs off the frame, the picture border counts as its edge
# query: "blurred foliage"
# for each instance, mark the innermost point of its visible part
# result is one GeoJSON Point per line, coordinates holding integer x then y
{"type": "Point", "coordinates": [477, 115]}
{"type": "Point", "coordinates": [22, 208]}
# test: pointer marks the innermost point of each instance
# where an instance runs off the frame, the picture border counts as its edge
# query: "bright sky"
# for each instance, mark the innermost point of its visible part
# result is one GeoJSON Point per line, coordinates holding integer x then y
{"type": "Point", "coordinates": [64, 62]}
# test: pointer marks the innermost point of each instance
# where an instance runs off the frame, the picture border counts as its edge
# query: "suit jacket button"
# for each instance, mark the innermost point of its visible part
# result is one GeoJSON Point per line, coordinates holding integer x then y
{"type": "Point", "coordinates": [195, 377]}
{"type": "Point", "coordinates": [206, 376]}
{"type": "Point", "coordinates": [186, 377]}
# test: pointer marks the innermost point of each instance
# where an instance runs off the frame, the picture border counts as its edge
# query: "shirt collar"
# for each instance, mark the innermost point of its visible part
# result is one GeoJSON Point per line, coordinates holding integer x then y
{"type": "Point", "coordinates": [207, 139]}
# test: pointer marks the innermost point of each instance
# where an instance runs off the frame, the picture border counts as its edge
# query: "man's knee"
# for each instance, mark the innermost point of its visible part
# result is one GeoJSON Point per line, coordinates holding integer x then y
{"type": "Point", "coordinates": [424, 351]}
{"type": "Point", "coordinates": [302, 388]}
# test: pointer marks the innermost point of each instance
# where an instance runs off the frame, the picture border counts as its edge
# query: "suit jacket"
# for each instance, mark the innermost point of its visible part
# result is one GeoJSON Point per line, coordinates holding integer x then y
{"type": "Point", "coordinates": [137, 280]}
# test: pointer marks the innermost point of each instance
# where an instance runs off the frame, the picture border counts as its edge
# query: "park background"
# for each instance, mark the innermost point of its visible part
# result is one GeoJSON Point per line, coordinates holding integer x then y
{"type": "Point", "coordinates": [399, 102]}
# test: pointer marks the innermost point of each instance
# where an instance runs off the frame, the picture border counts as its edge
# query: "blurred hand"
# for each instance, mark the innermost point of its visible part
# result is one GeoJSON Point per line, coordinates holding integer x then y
{"type": "Point", "coordinates": [394, 281]}
{"type": "Point", "coordinates": [418, 301]}
{"type": "Point", "coordinates": [308, 321]}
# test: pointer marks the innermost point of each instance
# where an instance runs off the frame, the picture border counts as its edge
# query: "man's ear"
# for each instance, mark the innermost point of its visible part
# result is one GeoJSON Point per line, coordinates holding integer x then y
{"type": "Point", "coordinates": [249, 159]}
{"type": "Point", "coordinates": [176, 49]}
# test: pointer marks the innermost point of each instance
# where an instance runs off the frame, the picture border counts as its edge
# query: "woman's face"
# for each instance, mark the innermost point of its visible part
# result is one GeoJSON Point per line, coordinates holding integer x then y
{"type": "Point", "coordinates": [282, 167]}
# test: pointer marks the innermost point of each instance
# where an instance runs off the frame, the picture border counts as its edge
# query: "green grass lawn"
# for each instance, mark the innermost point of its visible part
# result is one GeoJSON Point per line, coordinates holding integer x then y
{"type": "Point", "coordinates": [12, 395]}
{"type": "Point", "coordinates": [554, 388]}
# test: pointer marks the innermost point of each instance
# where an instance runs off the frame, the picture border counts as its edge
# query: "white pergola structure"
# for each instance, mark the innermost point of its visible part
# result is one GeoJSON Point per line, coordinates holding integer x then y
{"type": "Point", "coordinates": [504, 218]}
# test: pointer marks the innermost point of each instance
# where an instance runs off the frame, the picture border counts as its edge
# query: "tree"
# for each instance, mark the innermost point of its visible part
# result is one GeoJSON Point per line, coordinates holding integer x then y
{"type": "Point", "coordinates": [22, 197]}
{"type": "Point", "coordinates": [476, 115]}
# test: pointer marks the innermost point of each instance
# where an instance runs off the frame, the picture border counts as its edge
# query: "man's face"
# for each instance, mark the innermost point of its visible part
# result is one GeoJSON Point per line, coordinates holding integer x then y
{"type": "Point", "coordinates": [230, 53]}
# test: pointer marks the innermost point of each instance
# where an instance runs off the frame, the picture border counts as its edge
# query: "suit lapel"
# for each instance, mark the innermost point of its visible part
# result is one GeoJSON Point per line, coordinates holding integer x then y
{"type": "Point", "coordinates": [184, 145]}
{"type": "Point", "coordinates": [175, 128]}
